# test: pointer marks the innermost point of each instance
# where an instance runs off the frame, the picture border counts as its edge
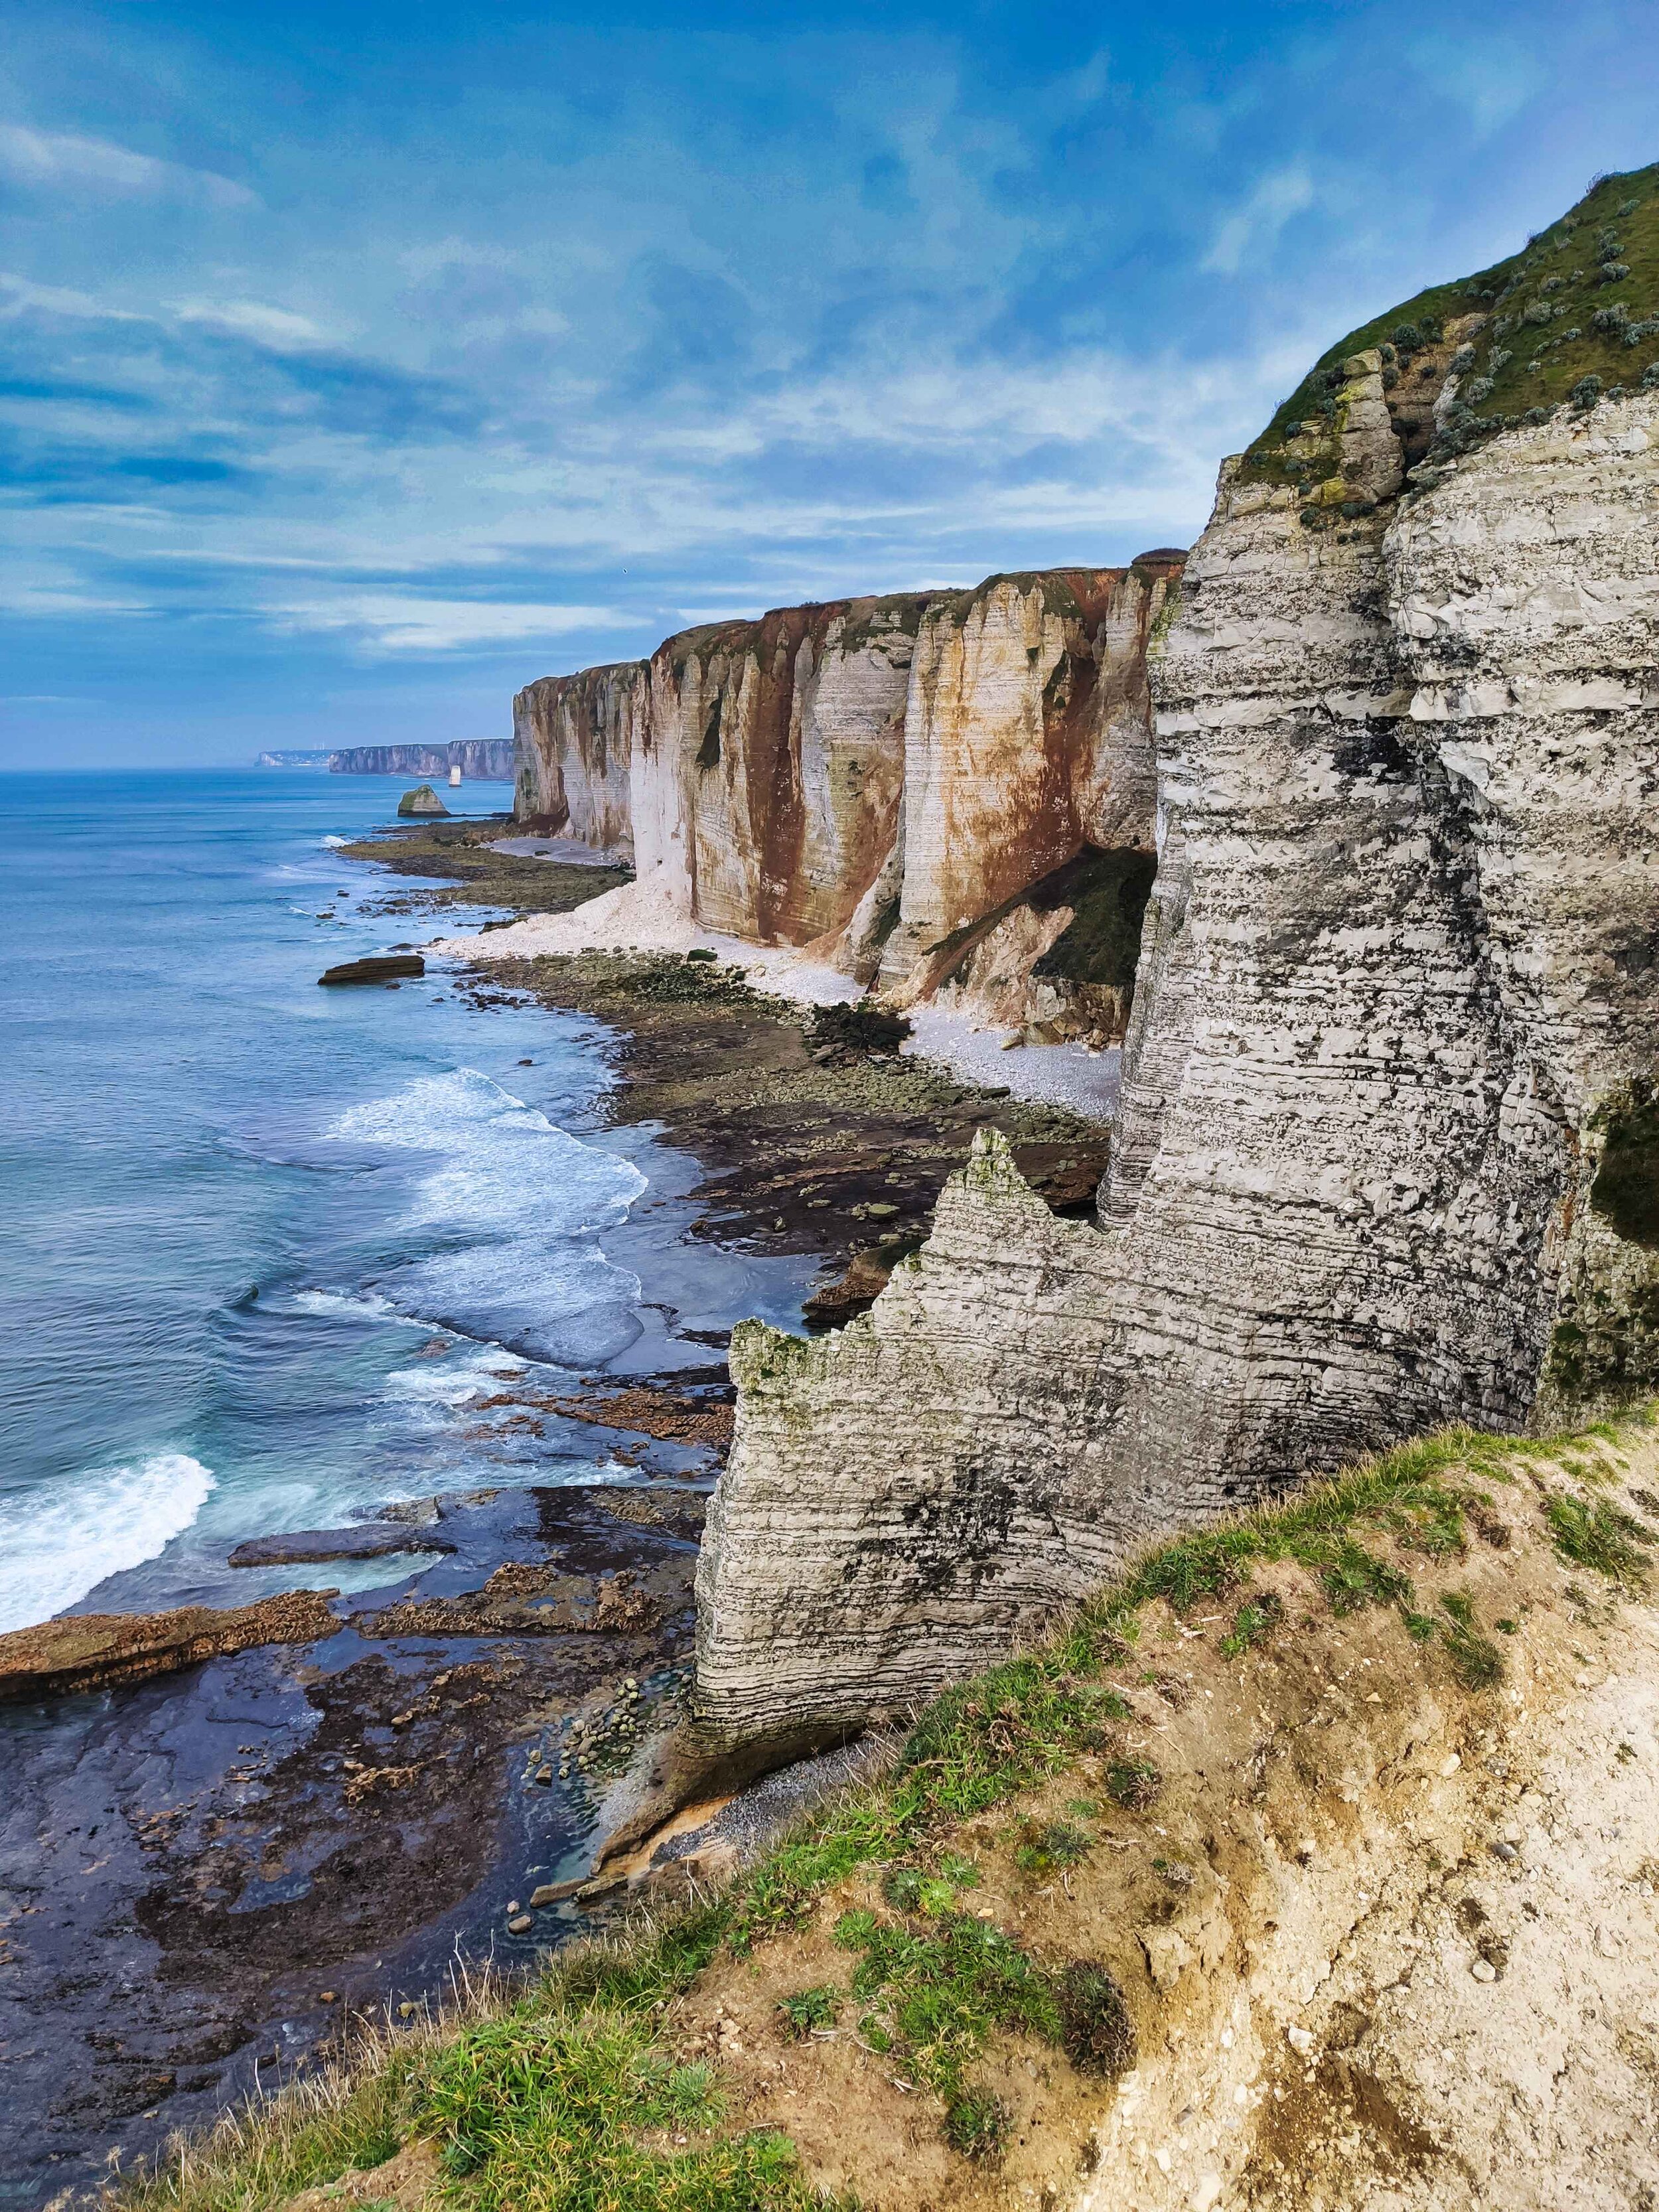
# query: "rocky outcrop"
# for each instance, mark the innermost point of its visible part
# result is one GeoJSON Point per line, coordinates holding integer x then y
{"type": "Point", "coordinates": [1388, 1081]}
{"type": "Point", "coordinates": [897, 783]}
{"type": "Point", "coordinates": [421, 801]}
{"type": "Point", "coordinates": [376, 968]}
{"type": "Point", "coordinates": [488, 759]}
{"type": "Point", "coordinates": [97, 1651]}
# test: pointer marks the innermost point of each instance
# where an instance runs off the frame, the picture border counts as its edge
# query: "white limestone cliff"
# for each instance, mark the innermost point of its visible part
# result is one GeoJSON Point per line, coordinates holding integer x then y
{"type": "Point", "coordinates": [1396, 1025]}
{"type": "Point", "coordinates": [888, 783]}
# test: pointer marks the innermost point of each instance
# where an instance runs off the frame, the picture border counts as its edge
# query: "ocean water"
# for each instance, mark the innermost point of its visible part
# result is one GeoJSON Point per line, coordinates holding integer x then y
{"type": "Point", "coordinates": [268, 1248]}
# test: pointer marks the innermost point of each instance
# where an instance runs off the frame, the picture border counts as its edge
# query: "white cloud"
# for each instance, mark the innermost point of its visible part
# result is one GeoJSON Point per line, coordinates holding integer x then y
{"type": "Point", "coordinates": [18, 296]}
{"type": "Point", "coordinates": [391, 624]}
{"type": "Point", "coordinates": [58, 158]}
{"type": "Point", "coordinates": [1254, 227]}
{"type": "Point", "coordinates": [279, 328]}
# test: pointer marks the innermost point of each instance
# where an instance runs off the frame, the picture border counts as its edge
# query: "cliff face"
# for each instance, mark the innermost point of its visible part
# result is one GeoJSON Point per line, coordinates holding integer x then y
{"type": "Point", "coordinates": [768, 784]}
{"type": "Point", "coordinates": [949, 793]}
{"type": "Point", "coordinates": [573, 745]}
{"type": "Point", "coordinates": [1027, 737]}
{"type": "Point", "coordinates": [1388, 1140]}
{"type": "Point", "coordinates": [488, 759]}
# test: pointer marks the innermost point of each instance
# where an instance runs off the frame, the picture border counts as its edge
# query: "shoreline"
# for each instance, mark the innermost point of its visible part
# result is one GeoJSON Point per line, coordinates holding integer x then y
{"type": "Point", "coordinates": [404, 1782]}
{"type": "Point", "coordinates": [632, 921]}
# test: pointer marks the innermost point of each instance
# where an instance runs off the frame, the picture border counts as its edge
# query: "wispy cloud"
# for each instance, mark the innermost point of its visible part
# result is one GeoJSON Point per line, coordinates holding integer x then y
{"type": "Point", "coordinates": [415, 625]}
{"type": "Point", "coordinates": [20, 295]}
{"type": "Point", "coordinates": [279, 328]}
{"type": "Point", "coordinates": [1253, 228]}
{"type": "Point", "coordinates": [54, 160]}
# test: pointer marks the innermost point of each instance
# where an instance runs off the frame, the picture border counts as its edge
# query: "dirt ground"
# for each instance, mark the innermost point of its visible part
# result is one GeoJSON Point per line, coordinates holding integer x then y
{"type": "Point", "coordinates": [1388, 1943]}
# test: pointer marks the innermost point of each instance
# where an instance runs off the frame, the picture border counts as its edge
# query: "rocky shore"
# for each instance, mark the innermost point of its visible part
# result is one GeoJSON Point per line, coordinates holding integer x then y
{"type": "Point", "coordinates": [225, 1832]}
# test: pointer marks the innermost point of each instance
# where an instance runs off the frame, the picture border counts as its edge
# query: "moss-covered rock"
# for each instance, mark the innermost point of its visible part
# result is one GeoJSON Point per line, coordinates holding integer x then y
{"type": "Point", "coordinates": [1573, 315]}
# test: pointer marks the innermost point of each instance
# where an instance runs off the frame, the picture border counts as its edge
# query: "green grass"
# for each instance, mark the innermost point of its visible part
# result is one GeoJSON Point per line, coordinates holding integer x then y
{"type": "Point", "coordinates": [556, 2114]}
{"type": "Point", "coordinates": [935, 1994]}
{"type": "Point", "coordinates": [976, 2125]}
{"type": "Point", "coordinates": [807, 2009]}
{"type": "Point", "coordinates": [1476, 1661]}
{"type": "Point", "coordinates": [1592, 1534]}
{"type": "Point", "coordinates": [1051, 1846]}
{"type": "Point", "coordinates": [1253, 1623]}
{"type": "Point", "coordinates": [939, 1991]}
{"type": "Point", "coordinates": [570, 2100]}
{"type": "Point", "coordinates": [1540, 338]}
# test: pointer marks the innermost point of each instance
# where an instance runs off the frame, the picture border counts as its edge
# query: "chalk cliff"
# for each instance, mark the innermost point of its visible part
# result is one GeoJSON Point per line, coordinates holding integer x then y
{"type": "Point", "coordinates": [947, 794]}
{"type": "Point", "coordinates": [488, 759]}
{"type": "Point", "coordinates": [1389, 1139]}
{"type": "Point", "coordinates": [572, 746]}
{"type": "Point", "coordinates": [768, 785]}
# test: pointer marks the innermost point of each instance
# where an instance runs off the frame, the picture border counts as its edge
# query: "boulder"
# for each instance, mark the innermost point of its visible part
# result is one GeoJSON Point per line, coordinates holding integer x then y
{"type": "Point", "coordinates": [375, 968]}
{"type": "Point", "coordinates": [308, 1546]}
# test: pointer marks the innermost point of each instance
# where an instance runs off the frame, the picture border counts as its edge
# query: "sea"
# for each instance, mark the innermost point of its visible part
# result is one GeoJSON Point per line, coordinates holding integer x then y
{"type": "Point", "coordinates": [267, 1247]}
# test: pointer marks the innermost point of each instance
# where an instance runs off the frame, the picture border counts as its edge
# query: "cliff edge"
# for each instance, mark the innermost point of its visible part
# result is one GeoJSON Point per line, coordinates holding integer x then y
{"type": "Point", "coordinates": [1389, 1127]}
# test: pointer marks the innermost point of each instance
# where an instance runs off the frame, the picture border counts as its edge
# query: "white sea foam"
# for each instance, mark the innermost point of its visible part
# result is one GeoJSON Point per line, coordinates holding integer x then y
{"type": "Point", "coordinates": [337, 844]}
{"type": "Point", "coordinates": [514, 1206]}
{"type": "Point", "coordinates": [475, 1373]}
{"type": "Point", "coordinates": [348, 1305]}
{"type": "Point", "coordinates": [62, 1542]}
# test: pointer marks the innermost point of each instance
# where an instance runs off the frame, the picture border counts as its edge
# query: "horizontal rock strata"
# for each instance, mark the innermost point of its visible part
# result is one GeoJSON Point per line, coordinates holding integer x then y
{"type": "Point", "coordinates": [1389, 1096]}
{"type": "Point", "coordinates": [884, 781]}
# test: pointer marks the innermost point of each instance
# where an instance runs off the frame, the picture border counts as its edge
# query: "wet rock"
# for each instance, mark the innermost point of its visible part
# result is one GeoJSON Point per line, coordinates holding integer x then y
{"type": "Point", "coordinates": [305, 1547]}
{"type": "Point", "coordinates": [374, 968]}
{"type": "Point", "coordinates": [93, 1650]}
{"type": "Point", "coordinates": [854, 1292]}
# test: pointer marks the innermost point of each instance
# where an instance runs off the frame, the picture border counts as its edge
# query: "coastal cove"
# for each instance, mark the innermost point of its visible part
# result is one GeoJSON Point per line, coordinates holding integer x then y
{"type": "Point", "coordinates": [376, 1265]}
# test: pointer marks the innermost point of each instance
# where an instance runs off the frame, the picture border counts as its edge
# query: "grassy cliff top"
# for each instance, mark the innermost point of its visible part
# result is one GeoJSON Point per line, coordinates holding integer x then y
{"type": "Point", "coordinates": [927, 1992]}
{"type": "Point", "coordinates": [1579, 302]}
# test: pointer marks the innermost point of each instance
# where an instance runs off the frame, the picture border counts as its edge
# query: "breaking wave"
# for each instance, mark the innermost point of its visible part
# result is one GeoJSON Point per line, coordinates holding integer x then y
{"type": "Point", "coordinates": [62, 1542]}
{"type": "Point", "coordinates": [510, 1211]}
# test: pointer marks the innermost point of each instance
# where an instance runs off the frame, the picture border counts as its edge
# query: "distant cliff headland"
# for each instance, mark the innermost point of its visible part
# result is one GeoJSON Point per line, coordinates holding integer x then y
{"type": "Point", "coordinates": [487, 760]}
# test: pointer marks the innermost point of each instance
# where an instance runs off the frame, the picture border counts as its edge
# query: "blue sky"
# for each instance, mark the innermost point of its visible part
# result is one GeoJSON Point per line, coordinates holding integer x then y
{"type": "Point", "coordinates": [359, 363]}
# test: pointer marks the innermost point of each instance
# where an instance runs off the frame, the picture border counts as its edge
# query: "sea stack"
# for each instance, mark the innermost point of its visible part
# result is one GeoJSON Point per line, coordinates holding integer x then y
{"type": "Point", "coordinates": [421, 801]}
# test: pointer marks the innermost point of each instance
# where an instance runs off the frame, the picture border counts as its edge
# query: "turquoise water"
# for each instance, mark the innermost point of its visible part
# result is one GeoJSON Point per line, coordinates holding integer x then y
{"type": "Point", "coordinates": [268, 1247]}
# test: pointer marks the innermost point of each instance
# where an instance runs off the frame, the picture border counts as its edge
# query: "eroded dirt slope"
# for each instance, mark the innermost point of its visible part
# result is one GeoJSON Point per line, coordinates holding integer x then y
{"type": "Point", "coordinates": [1387, 1941]}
